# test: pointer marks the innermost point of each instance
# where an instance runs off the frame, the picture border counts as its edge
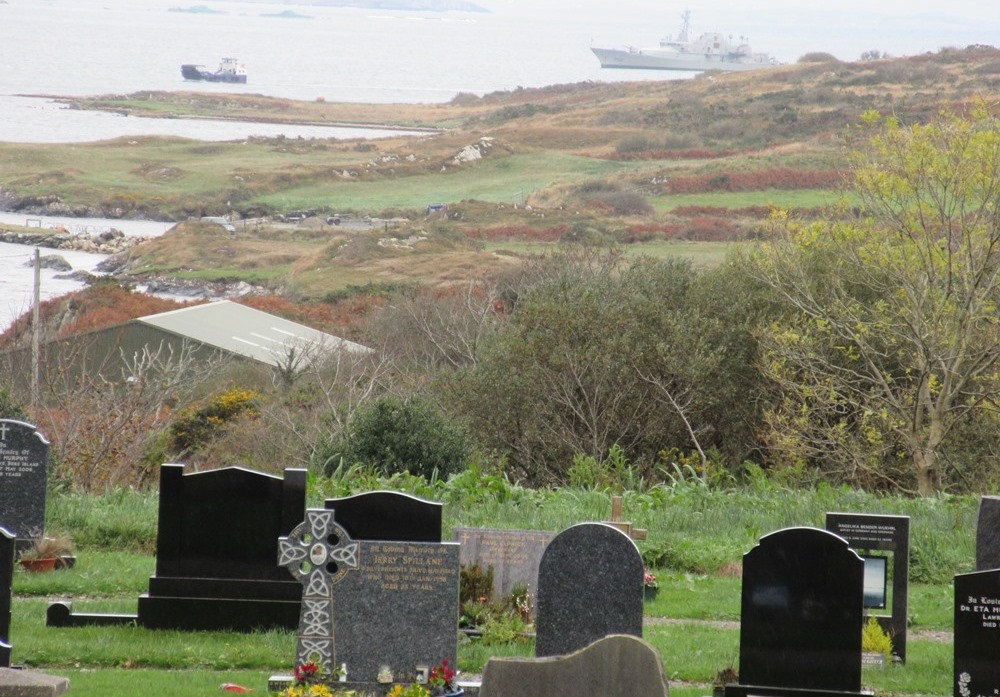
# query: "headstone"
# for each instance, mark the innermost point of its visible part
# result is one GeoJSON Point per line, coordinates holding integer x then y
{"type": "Point", "coordinates": [217, 542]}
{"type": "Point", "coordinates": [388, 515]}
{"type": "Point", "coordinates": [615, 666]}
{"type": "Point", "coordinates": [380, 610]}
{"type": "Point", "coordinates": [514, 556]}
{"type": "Point", "coordinates": [977, 634]}
{"type": "Point", "coordinates": [618, 521]}
{"type": "Point", "coordinates": [6, 582]}
{"type": "Point", "coordinates": [24, 464]}
{"type": "Point", "coordinates": [988, 534]}
{"type": "Point", "coordinates": [801, 616]}
{"type": "Point", "coordinates": [589, 586]}
{"type": "Point", "coordinates": [866, 533]}
{"type": "Point", "coordinates": [27, 683]}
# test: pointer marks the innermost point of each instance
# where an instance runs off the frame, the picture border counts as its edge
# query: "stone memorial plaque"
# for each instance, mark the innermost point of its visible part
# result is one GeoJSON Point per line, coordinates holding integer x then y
{"type": "Point", "coordinates": [589, 586]}
{"type": "Point", "coordinates": [801, 615]}
{"type": "Point", "coordinates": [6, 582]}
{"type": "Point", "coordinates": [988, 534]}
{"type": "Point", "coordinates": [24, 465]}
{"type": "Point", "coordinates": [890, 533]}
{"type": "Point", "coordinates": [977, 634]}
{"type": "Point", "coordinates": [376, 609]}
{"type": "Point", "coordinates": [514, 556]}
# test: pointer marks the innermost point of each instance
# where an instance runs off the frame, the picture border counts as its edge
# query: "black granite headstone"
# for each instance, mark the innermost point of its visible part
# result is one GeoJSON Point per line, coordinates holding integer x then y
{"type": "Point", "coordinates": [890, 533]}
{"type": "Point", "coordinates": [801, 616]}
{"type": "Point", "coordinates": [514, 556]}
{"type": "Point", "coordinates": [589, 586]}
{"type": "Point", "coordinates": [24, 464]}
{"type": "Point", "coordinates": [388, 515]}
{"type": "Point", "coordinates": [217, 542]}
{"type": "Point", "coordinates": [988, 534]}
{"type": "Point", "coordinates": [379, 610]}
{"type": "Point", "coordinates": [977, 634]}
{"type": "Point", "coordinates": [6, 581]}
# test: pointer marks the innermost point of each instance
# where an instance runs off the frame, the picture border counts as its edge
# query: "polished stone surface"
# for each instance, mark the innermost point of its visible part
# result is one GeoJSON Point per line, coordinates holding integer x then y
{"type": "Point", "coordinates": [24, 466]}
{"type": "Point", "coordinates": [388, 515]}
{"type": "Point", "coordinates": [379, 609]}
{"type": "Point", "coordinates": [6, 582]}
{"type": "Point", "coordinates": [615, 666]}
{"type": "Point", "coordinates": [988, 534]}
{"type": "Point", "coordinates": [977, 634]}
{"type": "Point", "coordinates": [801, 612]}
{"type": "Point", "coordinates": [869, 533]}
{"type": "Point", "coordinates": [589, 586]}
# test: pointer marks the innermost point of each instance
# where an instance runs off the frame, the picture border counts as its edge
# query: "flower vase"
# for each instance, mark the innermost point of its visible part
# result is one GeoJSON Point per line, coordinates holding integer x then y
{"type": "Point", "coordinates": [649, 593]}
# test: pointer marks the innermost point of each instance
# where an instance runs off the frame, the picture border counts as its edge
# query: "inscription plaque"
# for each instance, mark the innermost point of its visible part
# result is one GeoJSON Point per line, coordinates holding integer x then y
{"type": "Point", "coordinates": [24, 462]}
{"type": "Point", "coordinates": [514, 556]}
{"type": "Point", "coordinates": [977, 634]}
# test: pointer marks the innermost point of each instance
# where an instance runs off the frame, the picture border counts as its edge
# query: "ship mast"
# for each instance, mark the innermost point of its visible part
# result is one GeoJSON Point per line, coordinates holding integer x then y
{"type": "Point", "coordinates": [685, 22]}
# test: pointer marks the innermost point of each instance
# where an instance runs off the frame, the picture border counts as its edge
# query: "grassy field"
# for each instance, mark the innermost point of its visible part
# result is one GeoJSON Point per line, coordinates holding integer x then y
{"type": "Point", "coordinates": [696, 539]}
{"type": "Point", "coordinates": [779, 198]}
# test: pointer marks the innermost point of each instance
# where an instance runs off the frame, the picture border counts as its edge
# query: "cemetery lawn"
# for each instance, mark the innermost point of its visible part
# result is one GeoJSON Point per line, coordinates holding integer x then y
{"type": "Point", "coordinates": [696, 539]}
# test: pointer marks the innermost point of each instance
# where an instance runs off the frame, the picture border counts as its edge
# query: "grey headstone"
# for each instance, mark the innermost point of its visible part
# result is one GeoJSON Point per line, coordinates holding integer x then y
{"type": "Point", "coordinates": [615, 666]}
{"type": "Point", "coordinates": [801, 615]}
{"type": "Point", "coordinates": [988, 534]}
{"type": "Point", "coordinates": [372, 607]}
{"type": "Point", "coordinates": [27, 683]}
{"type": "Point", "coordinates": [24, 464]}
{"type": "Point", "coordinates": [589, 586]}
{"type": "Point", "coordinates": [514, 556]}
{"type": "Point", "coordinates": [6, 581]}
{"type": "Point", "coordinates": [977, 634]}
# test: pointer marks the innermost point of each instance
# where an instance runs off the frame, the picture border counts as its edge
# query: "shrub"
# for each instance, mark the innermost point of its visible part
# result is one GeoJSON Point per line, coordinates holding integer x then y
{"type": "Point", "coordinates": [193, 428]}
{"type": "Point", "coordinates": [818, 57]}
{"type": "Point", "coordinates": [633, 144]}
{"type": "Point", "coordinates": [405, 435]}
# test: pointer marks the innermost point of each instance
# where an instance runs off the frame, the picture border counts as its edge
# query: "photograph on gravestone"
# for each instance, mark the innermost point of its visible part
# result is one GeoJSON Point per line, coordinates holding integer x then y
{"type": "Point", "coordinates": [388, 515]}
{"type": "Point", "coordinates": [801, 615]}
{"type": "Point", "coordinates": [513, 555]}
{"type": "Point", "coordinates": [977, 634]}
{"type": "Point", "coordinates": [6, 584]}
{"type": "Point", "coordinates": [867, 533]}
{"type": "Point", "coordinates": [988, 534]}
{"type": "Point", "coordinates": [590, 583]}
{"type": "Point", "coordinates": [375, 610]}
{"type": "Point", "coordinates": [24, 464]}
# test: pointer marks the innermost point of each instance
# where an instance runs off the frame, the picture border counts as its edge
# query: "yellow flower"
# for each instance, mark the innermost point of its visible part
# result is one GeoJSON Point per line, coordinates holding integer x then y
{"type": "Point", "coordinates": [320, 690]}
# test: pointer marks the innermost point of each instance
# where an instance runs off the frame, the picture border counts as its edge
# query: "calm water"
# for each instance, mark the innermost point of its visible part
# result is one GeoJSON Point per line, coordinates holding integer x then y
{"type": "Point", "coordinates": [89, 47]}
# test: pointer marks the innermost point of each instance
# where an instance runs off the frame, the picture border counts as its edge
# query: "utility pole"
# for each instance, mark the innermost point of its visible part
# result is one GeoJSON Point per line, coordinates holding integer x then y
{"type": "Point", "coordinates": [36, 333]}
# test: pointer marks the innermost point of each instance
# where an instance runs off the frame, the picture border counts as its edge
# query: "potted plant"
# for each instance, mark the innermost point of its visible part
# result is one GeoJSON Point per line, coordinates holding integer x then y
{"type": "Point", "coordinates": [46, 553]}
{"type": "Point", "coordinates": [650, 586]}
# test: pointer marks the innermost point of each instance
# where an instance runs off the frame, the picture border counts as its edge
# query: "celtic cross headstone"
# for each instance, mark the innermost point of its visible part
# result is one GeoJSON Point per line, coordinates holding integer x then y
{"type": "Point", "coordinates": [378, 610]}
{"type": "Point", "coordinates": [319, 554]}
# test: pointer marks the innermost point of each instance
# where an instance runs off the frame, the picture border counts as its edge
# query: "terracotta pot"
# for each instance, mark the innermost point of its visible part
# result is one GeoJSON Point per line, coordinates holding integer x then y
{"type": "Point", "coordinates": [46, 564]}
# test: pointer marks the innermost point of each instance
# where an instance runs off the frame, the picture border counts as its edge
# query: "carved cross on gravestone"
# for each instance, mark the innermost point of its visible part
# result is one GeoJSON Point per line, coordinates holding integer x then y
{"type": "Point", "coordinates": [318, 553]}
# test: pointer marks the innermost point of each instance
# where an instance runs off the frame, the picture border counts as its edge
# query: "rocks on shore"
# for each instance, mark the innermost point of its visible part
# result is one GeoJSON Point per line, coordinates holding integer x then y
{"type": "Point", "coordinates": [108, 242]}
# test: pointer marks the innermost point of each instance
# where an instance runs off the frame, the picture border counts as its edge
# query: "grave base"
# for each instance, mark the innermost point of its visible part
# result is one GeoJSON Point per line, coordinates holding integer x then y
{"type": "Point", "coordinates": [768, 691]}
{"type": "Point", "coordinates": [214, 614]}
{"type": "Point", "coordinates": [28, 683]}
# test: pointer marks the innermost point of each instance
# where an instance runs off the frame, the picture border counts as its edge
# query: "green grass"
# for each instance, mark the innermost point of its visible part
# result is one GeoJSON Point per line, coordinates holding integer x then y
{"type": "Point", "coordinates": [497, 179]}
{"type": "Point", "coordinates": [781, 198]}
{"type": "Point", "coordinates": [701, 254]}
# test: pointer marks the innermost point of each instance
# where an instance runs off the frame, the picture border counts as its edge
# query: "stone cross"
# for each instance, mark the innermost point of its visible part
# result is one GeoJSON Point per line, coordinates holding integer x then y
{"type": "Point", "coordinates": [319, 554]}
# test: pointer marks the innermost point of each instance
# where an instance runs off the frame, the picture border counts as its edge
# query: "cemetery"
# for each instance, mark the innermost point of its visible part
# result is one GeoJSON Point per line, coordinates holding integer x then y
{"type": "Point", "coordinates": [254, 582]}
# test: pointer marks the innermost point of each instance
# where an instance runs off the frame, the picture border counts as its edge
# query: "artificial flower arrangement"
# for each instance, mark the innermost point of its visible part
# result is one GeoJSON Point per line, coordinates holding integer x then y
{"type": "Point", "coordinates": [441, 681]}
{"type": "Point", "coordinates": [649, 580]}
{"type": "Point", "coordinates": [311, 681]}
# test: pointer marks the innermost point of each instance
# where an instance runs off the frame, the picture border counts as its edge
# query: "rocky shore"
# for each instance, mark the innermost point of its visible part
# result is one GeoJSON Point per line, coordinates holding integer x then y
{"type": "Point", "coordinates": [109, 242]}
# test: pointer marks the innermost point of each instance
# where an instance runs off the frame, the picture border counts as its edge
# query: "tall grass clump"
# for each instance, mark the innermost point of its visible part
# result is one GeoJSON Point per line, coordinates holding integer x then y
{"type": "Point", "coordinates": [122, 519]}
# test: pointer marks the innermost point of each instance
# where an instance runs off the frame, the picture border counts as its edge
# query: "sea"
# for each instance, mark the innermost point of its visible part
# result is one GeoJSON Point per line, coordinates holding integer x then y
{"type": "Point", "coordinates": [384, 51]}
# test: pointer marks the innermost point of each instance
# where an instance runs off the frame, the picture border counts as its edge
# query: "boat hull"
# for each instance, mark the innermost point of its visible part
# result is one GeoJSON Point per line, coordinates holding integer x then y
{"type": "Point", "coordinates": [646, 60]}
{"type": "Point", "coordinates": [197, 72]}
